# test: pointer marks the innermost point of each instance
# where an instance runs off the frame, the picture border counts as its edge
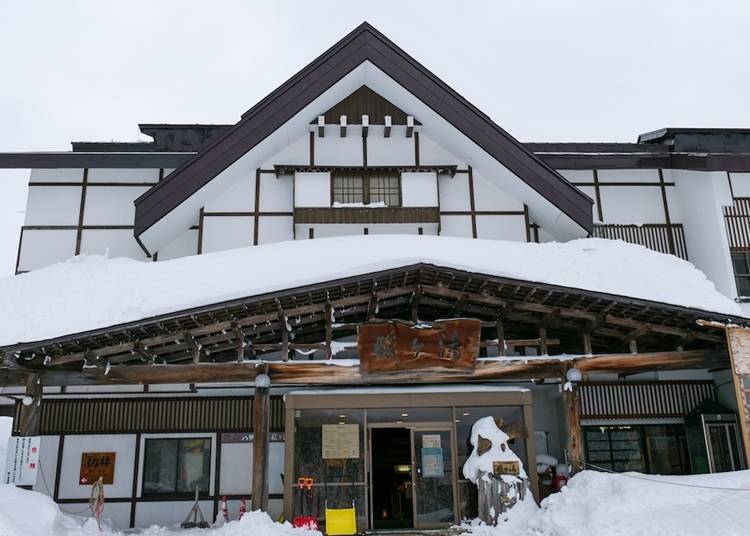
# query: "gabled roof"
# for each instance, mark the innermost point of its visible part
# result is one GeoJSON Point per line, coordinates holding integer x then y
{"type": "Point", "coordinates": [363, 44]}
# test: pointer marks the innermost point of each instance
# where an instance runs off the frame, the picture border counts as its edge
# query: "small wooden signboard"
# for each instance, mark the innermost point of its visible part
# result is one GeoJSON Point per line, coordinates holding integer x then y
{"type": "Point", "coordinates": [397, 346]}
{"type": "Point", "coordinates": [95, 465]}
{"type": "Point", "coordinates": [506, 468]}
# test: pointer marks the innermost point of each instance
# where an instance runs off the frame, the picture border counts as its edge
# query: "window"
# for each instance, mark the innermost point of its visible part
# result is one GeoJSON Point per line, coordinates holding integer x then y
{"type": "Point", "coordinates": [741, 265]}
{"type": "Point", "coordinates": [367, 187]}
{"type": "Point", "coordinates": [659, 449]}
{"type": "Point", "coordinates": [176, 465]}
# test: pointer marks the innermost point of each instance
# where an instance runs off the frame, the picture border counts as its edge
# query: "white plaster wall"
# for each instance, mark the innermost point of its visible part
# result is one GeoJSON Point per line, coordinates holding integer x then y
{"type": "Point", "coordinates": [548, 417]}
{"type": "Point", "coordinates": [117, 513]}
{"type": "Point", "coordinates": [333, 150]}
{"type": "Point", "coordinates": [184, 245]}
{"type": "Point", "coordinates": [227, 232]}
{"type": "Point", "coordinates": [419, 189]}
{"type": "Point", "coordinates": [632, 204]}
{"type": "Point", "coordinates": [673, 202]}
{"type": "Point", "coordinates": [312, 189]}
{"type": "Point", "coordinates": [591, 192]}
{"type": "Point", "coordinates": [236, 468]}
{"type": "Point", "coordinates": [332, 230]}
{"type": "Point", "coordinates": [455, 226]}
{"type": "Point", "coordinates": [47, 474]}
{"type": "Point", "coordinates": [454, 192]}
{"type": "Point", "coordinates": [111, 205]}
{"type": "Point", "coordinates": [502, 228]}
{"type": "Point", "coordinates": [123, 175]}
{"type": "Point", "coordinates": [168, 513]}
{"type": "Point", "coordinates": [111, 242]}
{"type": "Point", "coordinates": [56, 175]}
{"type": "Point", "coordinates": [740, 184]}
{"type": "Point", "coordinates": [75, 445]}
{"type": "Point", "coordinates": [628, 175]}
{"type": "Point", "coordinates": [432, 154]}
{"type": "Point", "coordinates": [296, 151]}
{"type": "Point", "coordinates": [396, 150]}
{"type": "Point", "coordinates": [488, 196]}
{"type": "Point", "coordinates": [238, 197]}
{"type": "Point", "coordinates": [275, 229]}
{"type": "Point", "coordinates": [41, 248]}
{"type": "Point", "coordinates": [53, 205]}
{"type": "Point", "coordinates": [276, 193]}
{"type": "Point", "coordinates": [577, 175]}
{"type": "Point", "coordinates": [701, 196]}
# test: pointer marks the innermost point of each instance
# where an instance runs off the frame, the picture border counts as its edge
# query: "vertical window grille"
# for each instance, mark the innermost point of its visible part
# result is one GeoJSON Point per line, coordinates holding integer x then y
{"type": "Point", "coordinates": [384, 188]}
{"type": "Point", "coordinates": [367, 187]}
{"type": "Point", "coordinates": [348, 189]}
{"type": "Point", "coordinates": [741, 265]}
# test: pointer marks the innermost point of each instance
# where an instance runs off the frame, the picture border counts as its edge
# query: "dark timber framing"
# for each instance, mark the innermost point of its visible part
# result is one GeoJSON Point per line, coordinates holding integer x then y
{"type": "Point", "coordinates": [365, 43]}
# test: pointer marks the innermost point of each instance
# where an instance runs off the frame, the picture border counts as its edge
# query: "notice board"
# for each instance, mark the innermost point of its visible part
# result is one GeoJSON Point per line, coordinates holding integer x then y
{"type": "Point", "coordinates": [340, 441]}
{"type": "Point", "coordinates": [95, 465]}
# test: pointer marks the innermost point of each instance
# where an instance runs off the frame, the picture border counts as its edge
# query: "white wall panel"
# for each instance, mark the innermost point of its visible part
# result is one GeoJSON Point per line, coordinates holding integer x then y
{"type": "Point", "coordinates": [312, 189]}
{"type": "Point", "coordinates": [577, 175]}
{"type": "Point", "coordinates": [46, 477]}
{"type": "Point", "coordinates": [123, 175]}
{"type": "Point", "coordinates": [454, 192]}
{"type": "Point", "coordinates": [332, 230]}
{"type": "Point", "coordinates": [124, 448]}
{"type": "Point", "coordinates": [169, 513]}
{"type": "Point", "coordinates": [396, 150]}
{"type": "Point", "coordinates": [488, 196]}
{"type": "Point", "coordinates": [276, 193]}
{"type": "Point", "coordinates": [56, 175]}
{"type": "Point", "coordinates": [118, 514]}
{"type": "Point", "coordinates": [675, 207]}
{"type": "Point", "coordinates": [419, 189]}
{"type": "Point", "coordinates": [275, 229]}
{"type": "Point", "coordinates": [53, 205]}
{"type": "Point", "coordinates": [111, 205]}
{"type": "Point", "coordinates": [296, 152]}
{"type": "Point", "coordinates": [236, 468]}
{"type": "Point", "coordinates": [632, 204]}
{"type": "Point", "coordinates": [740, 184]}
{"type": "Point", "coordinates": [628, 175]}
{"type": "Point", "coordinates": [591, 192]}
{"type": "Point", "coordinates": [432, 154]}
{"type": "Point", "coordinates": [239, 197]}
{"type": "Point", "coordinates": [42, 248]}
{"type": "Point", "coordinates": [455, 226]}
{"type": "Point", "coordinates": [502, 228]}
{"type": "Point", "coordinates": [227, 232]}
{"type": "Point", "coordinates": [186, 244]}
{"type": "Point", "coordinates": [333, 150]}
{"type": "Point", "coordinates": [111, 242]}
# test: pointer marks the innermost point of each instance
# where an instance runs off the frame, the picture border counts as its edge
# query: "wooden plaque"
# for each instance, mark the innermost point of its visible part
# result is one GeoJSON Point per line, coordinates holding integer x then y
{"type": "Point", "coordinates": [506, 468]}
{"type": "Point", "coordinates": [95, 465]}
{"type": "Point", "coordinates": [397, 346]}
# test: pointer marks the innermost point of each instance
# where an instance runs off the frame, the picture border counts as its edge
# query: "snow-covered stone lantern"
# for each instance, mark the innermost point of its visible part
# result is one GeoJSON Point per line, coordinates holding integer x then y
{"type": "Point", "coordinates": [495, 469]}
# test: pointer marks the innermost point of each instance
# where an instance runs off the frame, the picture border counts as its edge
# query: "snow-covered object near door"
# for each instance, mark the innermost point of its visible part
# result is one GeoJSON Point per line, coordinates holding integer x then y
{"type": "Point", "coordinates": [498, 492]}
{"type": "Point", "coordinates": [480, 465]}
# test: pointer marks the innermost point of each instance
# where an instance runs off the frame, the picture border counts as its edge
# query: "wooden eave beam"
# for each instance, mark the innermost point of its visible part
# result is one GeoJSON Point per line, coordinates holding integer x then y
{"type": "Point", "coordinates": [303, 372]}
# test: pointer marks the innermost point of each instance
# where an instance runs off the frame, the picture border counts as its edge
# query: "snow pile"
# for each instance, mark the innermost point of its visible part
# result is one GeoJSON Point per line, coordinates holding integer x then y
{"type": "Point", "coordinates": [91, 292]}
{"type": "Point", "coordinates": [478, 465]}
{"type": "Point", "coordinates": [27, 513]}
{"type": "Point", "coordinates": [632, 504]}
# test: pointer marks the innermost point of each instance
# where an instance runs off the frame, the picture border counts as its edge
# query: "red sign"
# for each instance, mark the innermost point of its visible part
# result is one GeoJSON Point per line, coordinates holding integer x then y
{"type": "Point", "coordinates": [397, 346]}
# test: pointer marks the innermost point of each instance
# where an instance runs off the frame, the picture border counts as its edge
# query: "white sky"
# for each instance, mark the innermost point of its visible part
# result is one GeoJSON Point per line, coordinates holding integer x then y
{"type": "Point", "coordinates": [574, 70]}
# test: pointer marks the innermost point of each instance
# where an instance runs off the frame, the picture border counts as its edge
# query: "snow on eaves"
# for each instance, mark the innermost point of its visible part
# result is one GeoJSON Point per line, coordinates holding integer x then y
{"type": "Point", "coordinates": [91, 292]}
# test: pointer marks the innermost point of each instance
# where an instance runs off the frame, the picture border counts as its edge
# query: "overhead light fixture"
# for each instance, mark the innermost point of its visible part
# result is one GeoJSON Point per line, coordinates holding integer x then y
{"type": "Point", "coordinates": [342, 416]}
{"type": "Point", "coordinates": [404, 414]}
{"type": "Point", "coordinates": [466, 414]}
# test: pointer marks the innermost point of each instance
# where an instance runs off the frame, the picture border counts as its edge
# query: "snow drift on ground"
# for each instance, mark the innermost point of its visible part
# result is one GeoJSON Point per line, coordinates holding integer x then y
{"type": "Point", "coordinates": [90, 292]}
{"type": "Point", "coordinates": [632, 504]}
{"type": "Point", "coordinates": [27, 513]}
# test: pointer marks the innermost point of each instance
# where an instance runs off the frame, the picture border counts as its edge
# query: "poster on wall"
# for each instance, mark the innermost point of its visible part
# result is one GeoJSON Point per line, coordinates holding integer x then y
{"type": "Point", "coordinates": [95, 465]}
{"type": "Point", "coordinates": [432, 462]}
{"type": "Point", "coordinates": [340, 441]}
{"type": "Point", "coordinates": [22, 460]}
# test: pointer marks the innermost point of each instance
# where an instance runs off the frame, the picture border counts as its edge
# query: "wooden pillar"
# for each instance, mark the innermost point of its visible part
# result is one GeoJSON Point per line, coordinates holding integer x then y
{"type": "Point", "coordinates": [261, 433]}
{"type": "Point", "coordinates": [29, 418]}
{"type": "Point", "coordinates": [574, 448]}
{"type": "Point", "coordinates": [738, 345]}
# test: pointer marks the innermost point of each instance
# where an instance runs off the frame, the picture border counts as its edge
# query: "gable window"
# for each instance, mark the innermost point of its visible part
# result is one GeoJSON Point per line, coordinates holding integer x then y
{"type": "Point", "coordinates": [741, 265]}
{"type": "Point", "coordinates": [367, 187]}
{"type": "Point", "coordinates": [176, 465]}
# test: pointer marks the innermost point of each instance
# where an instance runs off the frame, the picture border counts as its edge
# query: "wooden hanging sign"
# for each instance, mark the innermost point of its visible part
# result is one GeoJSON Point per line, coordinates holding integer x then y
{"type": "Point", "coordinates": [397, 346]}
{"type": "Point", "coordinates": [506, 468]}
{"type": "Point", "coordinates": [95, 465]}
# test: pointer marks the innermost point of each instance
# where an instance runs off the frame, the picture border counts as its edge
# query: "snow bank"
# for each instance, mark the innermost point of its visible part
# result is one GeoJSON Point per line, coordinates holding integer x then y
{"type": "Point", "coordinates": [633, 504]}
{"type": "Point", "coordinates": [499, 451]}
{"type": "Point", "coordinates": [27, 513]}
{"type": "Point", "coordinates": [91, 292]}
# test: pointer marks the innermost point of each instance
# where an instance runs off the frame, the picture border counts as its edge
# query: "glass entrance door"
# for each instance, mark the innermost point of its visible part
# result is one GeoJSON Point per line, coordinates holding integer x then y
{"type": "Point", "coordinates": [723, 447]}
{"type": "Point", "coordinates": [432, 459]}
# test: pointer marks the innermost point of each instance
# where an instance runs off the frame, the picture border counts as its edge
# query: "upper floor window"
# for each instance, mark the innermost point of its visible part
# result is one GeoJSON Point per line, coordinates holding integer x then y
{"type": "Point", "coordinates": [176, 465]}
{"type": "Point", "coordinates": [741, 265]}
{"type": "Point", "coordinates": [367, 187]}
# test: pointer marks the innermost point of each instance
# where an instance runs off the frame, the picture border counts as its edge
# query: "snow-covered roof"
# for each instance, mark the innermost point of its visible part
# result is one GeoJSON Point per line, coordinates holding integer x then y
{"type": "Point", "coordinates": [91, 292]}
